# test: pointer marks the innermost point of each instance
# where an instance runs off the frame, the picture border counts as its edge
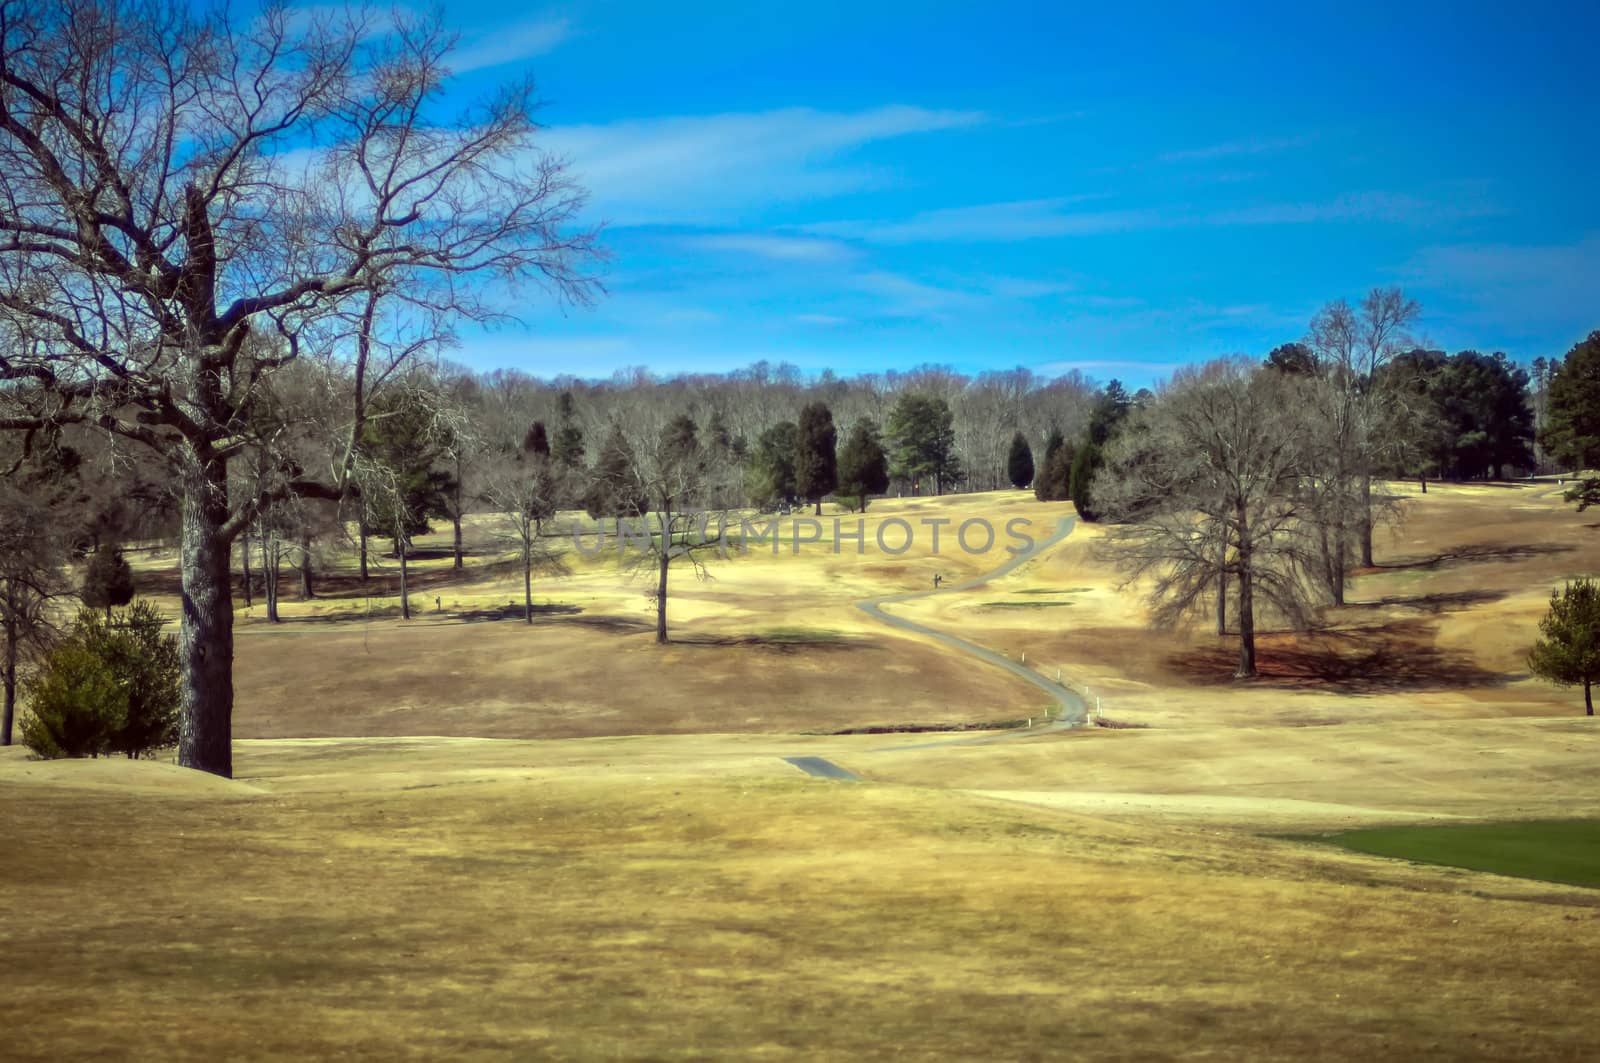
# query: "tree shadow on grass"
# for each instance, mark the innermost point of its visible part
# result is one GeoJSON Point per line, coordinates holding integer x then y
{"type": "Point", "coordinates": [1462, 555]}
{"type": "Point", "coordinates": [1387, 658]}
{"type": "Point", "coordinates": [780, 643]}
{"type": "Point", "coordinates": [1441, 602]}
{"type": "Point", "coordinates": [510, 611]}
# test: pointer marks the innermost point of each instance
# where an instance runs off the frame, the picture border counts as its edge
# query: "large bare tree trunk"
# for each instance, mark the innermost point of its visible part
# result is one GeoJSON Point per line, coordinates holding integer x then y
{"type": "Point", "coordinates": [308, 588]}
{"type": "Point", "coordinates": [13, 635]}
{"type": "Point", "coordinates": [205, 640]}
{"type": "Point", "coordinates": [249, 577]}
{"type": "Point", "coordinates": [1366, 521]}
{"type": "Point", "coordinates": [405, 585]}
{"type": "Point", "coordinates": [362, 531]}
{"type": "Point", "coordinates": [1222, 590]}
{"type": "Point", "coordinates": [1247, 618]}
{"type": "Point", "coordinates": [527, 581]}
{"type": "Point", "coordinates": [1588, 700]}
{"type": "Point", "coordinates": [456, 520]}
{"type": "Point", "coordinates": [661, 576]}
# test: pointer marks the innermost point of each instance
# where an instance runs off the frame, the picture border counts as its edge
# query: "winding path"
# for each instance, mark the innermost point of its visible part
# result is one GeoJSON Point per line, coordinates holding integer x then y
{"type": "Point", "coordinates": [1073, 711]}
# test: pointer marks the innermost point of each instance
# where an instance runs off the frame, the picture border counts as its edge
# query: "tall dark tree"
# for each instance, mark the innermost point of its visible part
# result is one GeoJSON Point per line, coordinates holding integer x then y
{"type": "Point", "coordinates": [107, 579]}
{"type": "Point", "coordinates": [1086, 466]}
{"type": "Point", "coordinates": [1569, 653]}
{"type": "Point", "coordinates": [614, 489]}
{"type": "Point", "coordinates": [816, 461]}
{"type": "Point", "coordinates": [921, 431]}
{"type": "Point", "coordinates": [1046, 489]}
{"type": "Point", "coordinates": [1572, 435]}
{"type": "Point", "coordinates": [1019, 462]}
{"type": "Point", "coordinates": [567, 449]}
{"type": "Point", "coordinates": [1109, 410]}
{"type": "Point", "coordinates": [863, 465]}
{"type": "Point", "coordinates": [537, 441]}
{"type": "Point", "coordinates": [773, 472]}
{"type": "Point", "coordinates": [1484, 402]}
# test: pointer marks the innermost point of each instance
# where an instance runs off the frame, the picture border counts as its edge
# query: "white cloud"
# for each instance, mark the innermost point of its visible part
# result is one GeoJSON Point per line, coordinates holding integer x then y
{"type": "Point", "coordinates": [821, 320]}
{"type": "Point", "coordinates": [702, 168]}
{"type": "Point", "coordinates": [1027, 219]}
{"type": "Point", "coordinates": [1235, 148]}
{"type": "Point", "coordinates": [904, 296]}
{"type": "Point", "coordinates": [510, 43]}
{"type": "Point", "coordinates": [1357, 206]}
{"type": "Point", "coordinates": [773, 246]}
{"type": "Point", "coordinates": [1040, 219]}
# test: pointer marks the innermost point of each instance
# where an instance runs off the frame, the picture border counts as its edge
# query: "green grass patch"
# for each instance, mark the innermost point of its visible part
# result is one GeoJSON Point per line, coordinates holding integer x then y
{"type": "Point", "coordinates": [1566, 851]}
{"type": "Point", "coordinates": [1054, 590]}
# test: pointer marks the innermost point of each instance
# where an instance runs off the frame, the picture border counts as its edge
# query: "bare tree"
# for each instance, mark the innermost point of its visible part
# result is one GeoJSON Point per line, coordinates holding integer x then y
{"type": "Point", "coordinates": [172, 183]}
{"type": "Point", "coordinates": [1208, 480]}
{"type": "Point", "coordinates": [525, 490]}
{"type": "Point", "coordinates": [689, 487]}
{"type": "Point", "coordinates": [1351, 346]}
{"type": "Point", "coordinates": [31, 557]}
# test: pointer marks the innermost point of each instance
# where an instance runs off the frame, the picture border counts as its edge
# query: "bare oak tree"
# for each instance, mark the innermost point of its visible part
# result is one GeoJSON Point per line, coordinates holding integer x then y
{"type": "Point", "coordinates": [173, 183]}
{"type": "Point", "coordinates": [1207, 479]}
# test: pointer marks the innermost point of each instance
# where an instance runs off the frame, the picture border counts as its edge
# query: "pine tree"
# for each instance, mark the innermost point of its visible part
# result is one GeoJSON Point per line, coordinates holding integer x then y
{"type": "Point", "coordinates": [1019, 463]}
{"type": "Point", "coordinates": [108, 580]}
{"type": "Point", "coordinates": [1569, 653]}
{"type": "Point", "coordinates": [1572, 430]}
{"type": "Point", "coordinates": [1084, 467]}
{"type": "Point", "coordinates": [816, 466]}
{"type": "Point", "coordinates": [863, 465]}
{"type": "Point", "coordinates": [111, 686]}
{"type": "Point", "coordinates": [537, 441]}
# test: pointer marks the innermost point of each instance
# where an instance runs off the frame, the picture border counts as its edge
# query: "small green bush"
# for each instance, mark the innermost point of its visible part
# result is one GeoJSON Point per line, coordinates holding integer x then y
{"type": "Point", "coordinates": [110, 686]}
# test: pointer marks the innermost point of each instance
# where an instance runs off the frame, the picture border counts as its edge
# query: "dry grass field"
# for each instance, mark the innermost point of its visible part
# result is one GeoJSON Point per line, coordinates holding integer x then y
{"type": "Point", "coordinates": [659, 883]}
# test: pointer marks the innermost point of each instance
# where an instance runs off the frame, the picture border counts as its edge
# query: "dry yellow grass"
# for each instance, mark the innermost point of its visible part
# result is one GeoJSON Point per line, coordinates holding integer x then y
{"type": "Point", "coordinates": [374, 901]}
{"type": "Point", "coordinates": [660, 895]}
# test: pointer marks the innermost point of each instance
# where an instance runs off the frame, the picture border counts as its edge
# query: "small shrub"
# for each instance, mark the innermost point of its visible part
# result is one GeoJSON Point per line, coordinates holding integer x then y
{"type": "Point", "coordinates": [110, 686]}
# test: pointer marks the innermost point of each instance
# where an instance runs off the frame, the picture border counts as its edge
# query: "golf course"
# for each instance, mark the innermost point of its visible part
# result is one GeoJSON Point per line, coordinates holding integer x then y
{"type": "Point", "coordinates": [465, 835]}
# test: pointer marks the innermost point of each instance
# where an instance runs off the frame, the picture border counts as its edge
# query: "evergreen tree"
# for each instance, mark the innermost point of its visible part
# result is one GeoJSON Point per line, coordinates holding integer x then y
{"type": "Point", "coordinates": [1569, 653]}
{"type": "Point", "coordinates": [816, 468]}
{"type": "Point", "coordinates": [1081, 486]}
{"type": "Point", "coordinates": [1572, 434]}
{"type": "Point", "coordinates": [614, 489]}
{"type": "Point", "coordinates": [108, 580]}
{"type": "Point", "coordinates": [1112, 406]}
{"type": "Point", "coordinates": [110, 686]}
{"type": "Point", "coordinates": [567, 450]}
{"type": "Point", "coordinates": [922, 431]}
{"type": "Point", "coordinates": [773, 480]}
{"type": "Point", "coordinates": [537, 441]}
{"type": "Point", "coordinates": [863, 465]}
{"type": "Point", "coordinates": [1043, 488]}
{"type": "Point", "coordinates": [1019, 463]}
{"type": "Point", "coordinates": [1295, 359]}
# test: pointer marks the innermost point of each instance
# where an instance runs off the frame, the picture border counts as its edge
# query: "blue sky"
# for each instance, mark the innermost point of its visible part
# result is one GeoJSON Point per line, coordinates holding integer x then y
{"type": "Point", "coordinates": [1118, 189]}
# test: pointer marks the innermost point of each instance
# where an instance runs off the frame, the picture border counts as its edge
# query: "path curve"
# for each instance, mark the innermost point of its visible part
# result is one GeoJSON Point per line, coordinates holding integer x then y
{"type": "Point", "coordinates": [1074, 713]}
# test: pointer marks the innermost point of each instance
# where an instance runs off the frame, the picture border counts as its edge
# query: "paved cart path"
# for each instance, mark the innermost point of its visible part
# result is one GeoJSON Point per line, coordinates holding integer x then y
{"type": "Point", "coordinates": [1073, 711]}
